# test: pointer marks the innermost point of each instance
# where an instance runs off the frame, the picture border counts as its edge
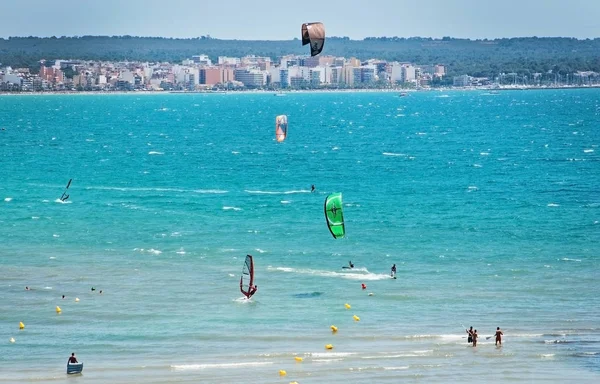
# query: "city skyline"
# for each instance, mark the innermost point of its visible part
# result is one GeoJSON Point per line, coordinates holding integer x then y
{"type": "Point", "coordinates": [277, 20]}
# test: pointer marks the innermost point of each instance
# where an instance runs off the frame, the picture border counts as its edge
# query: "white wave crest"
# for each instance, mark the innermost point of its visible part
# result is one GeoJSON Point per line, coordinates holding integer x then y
{"type": "Point", "coordinates": [393, 154]}
{"type": "Point", "coordinates": [155, 153]}
{"type": "Point", "coordinates": [226, 208]}
{"type": "Point", "coordinates": [354, 275]}
{"type": "Point", "coordinates": [195, 367]}
{"type": "Point", "coordinates": [8, 199]}
{"type": "Point", "coordinates": [332, 354]}
{"type": "Point", "coordinates": [258, 192]}
{"type": "Point", "coordinates": [553, 205]}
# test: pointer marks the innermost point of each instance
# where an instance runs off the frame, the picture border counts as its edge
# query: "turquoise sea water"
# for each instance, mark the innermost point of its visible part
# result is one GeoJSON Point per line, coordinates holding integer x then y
{"type": "Point", "coordinates": [488, 204]}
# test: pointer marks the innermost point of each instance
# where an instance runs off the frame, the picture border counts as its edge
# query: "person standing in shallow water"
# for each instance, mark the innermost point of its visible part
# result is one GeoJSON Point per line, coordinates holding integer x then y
{"type": "Point", "coordinates": [499, 336]}
{"type": "Point", "coordinates": [470, 333]}
{"type": "Point", "coordinates": [475, 336]}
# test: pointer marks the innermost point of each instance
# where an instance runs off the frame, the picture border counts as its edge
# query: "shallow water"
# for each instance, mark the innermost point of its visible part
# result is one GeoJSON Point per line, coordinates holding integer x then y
{"type": "Point", "coordinates": [488, 205]}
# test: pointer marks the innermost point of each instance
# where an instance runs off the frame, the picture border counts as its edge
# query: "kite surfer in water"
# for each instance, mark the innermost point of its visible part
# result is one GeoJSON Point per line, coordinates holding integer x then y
{"type": "Point", "coordinates": [312, 188]}
{"type": "Point", "coordinates": [350, 265]}
{"type": "Point", "coordinates": [393, 272]}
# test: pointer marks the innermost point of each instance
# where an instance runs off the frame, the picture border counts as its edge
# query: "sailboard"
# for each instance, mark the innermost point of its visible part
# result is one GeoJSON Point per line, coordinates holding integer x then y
{"type": "Point", "coordinates": [334, 215]}
{"type": "Point", "coordinates": [65, 196]}
{"type": "Point", "coordinates": [281, 127]}
{"type": "Point", "coordinates": [247, 278]}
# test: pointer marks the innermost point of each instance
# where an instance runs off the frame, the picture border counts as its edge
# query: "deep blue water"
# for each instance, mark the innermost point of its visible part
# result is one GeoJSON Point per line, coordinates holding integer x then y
{"type": "Point", "coordinates": [488, 204]}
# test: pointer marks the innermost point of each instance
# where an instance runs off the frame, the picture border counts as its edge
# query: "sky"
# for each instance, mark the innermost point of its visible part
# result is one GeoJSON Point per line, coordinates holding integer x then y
{"type": "Point", "coordinates": [282, 19]}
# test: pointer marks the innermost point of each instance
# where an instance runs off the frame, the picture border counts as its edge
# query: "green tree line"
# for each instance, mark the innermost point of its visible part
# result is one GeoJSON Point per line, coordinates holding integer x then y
{"type": "Point", "coordinates": [481, 58]}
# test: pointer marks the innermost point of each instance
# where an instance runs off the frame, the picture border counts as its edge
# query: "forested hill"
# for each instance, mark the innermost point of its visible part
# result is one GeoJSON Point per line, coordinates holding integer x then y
{"type": "Point", "coordinates": [461, 56]}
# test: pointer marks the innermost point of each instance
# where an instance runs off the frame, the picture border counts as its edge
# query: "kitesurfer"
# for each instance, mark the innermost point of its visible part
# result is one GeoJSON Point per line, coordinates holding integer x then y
{"type": "Point", "coordinates": [393, 272]}
{"type": "Point", "coordinates": [470, 333]}
{"type": "Point", "coordinates": [351, 265]}
{"type": "Point", "coordinates": [499, 336]}
{"type": "Point", "coordinates": [252, 291]}
{"type": "Point", "coordinates": [73, 359]}
{"type": "Point", "coordinates": [312, 188]}
{"type": "Point", "coordinates": [93, 289]}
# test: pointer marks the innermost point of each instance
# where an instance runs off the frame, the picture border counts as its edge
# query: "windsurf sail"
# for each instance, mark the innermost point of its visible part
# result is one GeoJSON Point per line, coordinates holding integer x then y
{"type": "Point", "coordinates": [65, 196]}
{"type": "Point", "coordinates": [247, 278]}
{"type": "Point", "coordinates": [281, 126]}
{"type": "Point", "coordinates": [313, 34]}
{"type": "Point", "coordinates": [334, 215]}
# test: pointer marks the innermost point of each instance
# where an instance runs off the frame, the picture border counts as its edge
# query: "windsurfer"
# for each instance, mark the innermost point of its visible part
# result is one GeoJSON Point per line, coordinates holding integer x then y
{"type": "Point", "coordinates": [64, 198]}
{"type": "Point", "coordinates": [252, 291]}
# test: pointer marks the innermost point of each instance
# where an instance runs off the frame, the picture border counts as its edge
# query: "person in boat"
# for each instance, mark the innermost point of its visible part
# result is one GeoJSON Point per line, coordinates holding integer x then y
{"type": "Point", "coordinates": [252, 291]}
{"type": "Point", "coordinates": [393, 272]}
{"type": "Point", "coordinates": [73, 359]}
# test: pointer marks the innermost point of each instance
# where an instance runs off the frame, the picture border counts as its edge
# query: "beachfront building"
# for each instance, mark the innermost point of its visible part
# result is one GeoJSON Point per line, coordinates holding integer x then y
{"type": "Point", "coordinates": [251, 77]}
{"type": "Point", "coordinates": [461, 81]}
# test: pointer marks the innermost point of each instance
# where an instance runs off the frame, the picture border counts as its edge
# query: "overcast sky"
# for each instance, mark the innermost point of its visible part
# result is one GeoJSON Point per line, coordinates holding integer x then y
{"type": "Point", "coordinates": [281, 19]}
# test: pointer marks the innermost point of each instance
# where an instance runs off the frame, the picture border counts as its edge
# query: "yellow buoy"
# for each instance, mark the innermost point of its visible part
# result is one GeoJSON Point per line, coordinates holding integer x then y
{"type": "Point", "coordinates": [58, 310]}
{"type": "Point", "coordinates": [333, 328]}
{"type": "Point", "coordinates": [298, 359]}
{"type": "Point", "coordinates": [77, 299]}
{"type": "Point", "coordinates": [21, 325]}
{"type": "Point", "coordinates": [282, 372]}
{"type": "Point", "coordinates": [347, 306]}
{"type": "Point", "coordinates": [329, 346]}
{"type": "Point", "coordinates": [12, 340]}
{"type": "Point", "coordinates": [356, 318]}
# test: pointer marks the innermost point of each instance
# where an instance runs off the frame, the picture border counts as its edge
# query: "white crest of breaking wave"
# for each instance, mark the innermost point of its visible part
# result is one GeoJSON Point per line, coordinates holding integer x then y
{"type": "Point", "coordinates": [393, 154]}
{"type": "Point", "coordinates": [256, 192]}
{"type": "Point", "coordinates": [155, 153]}
{"type": "Point", "coordinates": [151, 250]}
{"type": "Point", "coordinates": [226, 208]}
{"type": "Point", "coordinates": [356, 274]}
{"type": "Point", "coordinates": [8, 199]}
{"type": "Point", "coordinates": [183, 367]}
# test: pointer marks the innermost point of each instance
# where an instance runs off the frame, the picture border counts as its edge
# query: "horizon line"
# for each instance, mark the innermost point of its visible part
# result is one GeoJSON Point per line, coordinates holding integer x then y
{"type": "Point", "coordinates": [208, 37]}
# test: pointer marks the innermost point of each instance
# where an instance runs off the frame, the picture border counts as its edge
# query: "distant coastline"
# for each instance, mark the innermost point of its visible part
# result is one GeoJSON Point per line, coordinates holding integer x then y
{"type": "Point", "coordinates": [259, 91]}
